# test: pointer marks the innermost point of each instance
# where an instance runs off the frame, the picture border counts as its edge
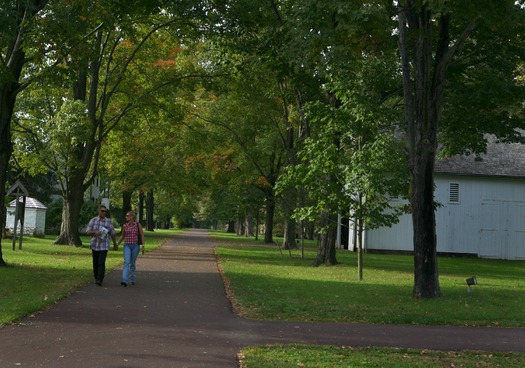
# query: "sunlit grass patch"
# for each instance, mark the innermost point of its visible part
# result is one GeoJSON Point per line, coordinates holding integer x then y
{"type": "Point", "coordinates": [310, 356]}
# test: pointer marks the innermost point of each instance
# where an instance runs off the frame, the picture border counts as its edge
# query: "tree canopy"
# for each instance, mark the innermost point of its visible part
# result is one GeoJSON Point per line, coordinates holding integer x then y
{"type": "Point", "coordinates": [298, 110]}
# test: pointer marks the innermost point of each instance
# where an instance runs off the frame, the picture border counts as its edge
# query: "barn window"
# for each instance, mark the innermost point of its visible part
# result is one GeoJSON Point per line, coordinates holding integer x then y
{"type": "Point", "coordinates": [454, 193]}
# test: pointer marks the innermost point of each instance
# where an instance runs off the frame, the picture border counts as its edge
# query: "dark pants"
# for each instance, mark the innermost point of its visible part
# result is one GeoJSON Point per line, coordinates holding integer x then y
{"type": "Point", "coordinates": [99, 264]}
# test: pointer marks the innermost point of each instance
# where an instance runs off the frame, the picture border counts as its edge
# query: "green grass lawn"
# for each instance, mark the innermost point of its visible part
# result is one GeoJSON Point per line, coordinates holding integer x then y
{"type": "Point", "coordinates": [267, 285]}
{"type": "Point", "coordinates": [311, 356]}
{"type": "Point", "coordinates": [264, 284]}
{"type": "Point", "coordinates": [302, 292]}
{"type": "Point", "coordinates": [43, 273]}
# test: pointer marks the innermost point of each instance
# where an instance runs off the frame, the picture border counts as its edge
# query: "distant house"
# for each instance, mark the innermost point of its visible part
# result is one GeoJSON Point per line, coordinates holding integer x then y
{"type": "Point", "coordinates": [34, 218]}
{"type": "Point", "coordinates": [482, 207]}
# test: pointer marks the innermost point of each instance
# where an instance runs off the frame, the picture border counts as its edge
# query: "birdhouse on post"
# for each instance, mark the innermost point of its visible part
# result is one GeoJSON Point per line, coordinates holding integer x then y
{"type": "Point", "coordinates": [20, 192]}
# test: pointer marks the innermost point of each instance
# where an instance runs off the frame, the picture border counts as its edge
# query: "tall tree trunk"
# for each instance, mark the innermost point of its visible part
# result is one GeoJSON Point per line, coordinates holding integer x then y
{"type": "Point", "coordinates": [75, 184]}
{"type": "Point", "coordinates": [231, 227]}
{"type": "Point", "coordinates": [73, 195]}
{"type": "Point", "coordinates": [270, 211]}
{"type": "Point", "coordinates": [426, 280]}
{"type": "Point", "coordinates": [290, 196]}
{"type": "Point", "coordinates": [140, 209]}
{"type": "Point", "coordinates": [249, 220]}
{"type": "Point", "coordinates": [7, 101]}
{"type": "Point", "coordinates": [423, 98]}
{"type": "Point", "coordinates": [149, 213]}
{"type": "Point", "coordinates": [126, 205]}
{"type": "Point", "coordinates": [421, 114]}
{"type": "Point", "coordinates": [13, 61]}
{"type": "Point", "coordinates": [326, 247]}
{"type": "Point", "coordinates": [328, 217]}
{"type": "Point", "coordinates": [6, 109]}
{"type": "Point", "coordinates": [289, 203]}
{"type": "Point", "coordinates": [290, 238]}
{"type": "Point", "coordinates": [239, 227]}
{"type": "Point", "coordinates": [309, 230]}
{"type": "Point", "coordinates": [69, 229]}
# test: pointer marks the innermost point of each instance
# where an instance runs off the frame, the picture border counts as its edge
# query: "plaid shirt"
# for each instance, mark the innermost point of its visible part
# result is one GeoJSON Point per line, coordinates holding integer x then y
{"type": "Point", "coordinates": [131, 231]}
{"type": "Point", "coordinates": [96, 224]}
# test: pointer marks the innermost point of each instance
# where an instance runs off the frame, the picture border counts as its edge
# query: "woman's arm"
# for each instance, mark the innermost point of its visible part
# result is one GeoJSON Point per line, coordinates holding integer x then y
{"type": "Point", "coordinates": [122, 236]}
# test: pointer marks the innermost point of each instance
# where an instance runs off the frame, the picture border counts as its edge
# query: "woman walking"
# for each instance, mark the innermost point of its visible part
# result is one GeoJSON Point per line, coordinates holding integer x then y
{"type": "Point", "coordinates": [133, 237]}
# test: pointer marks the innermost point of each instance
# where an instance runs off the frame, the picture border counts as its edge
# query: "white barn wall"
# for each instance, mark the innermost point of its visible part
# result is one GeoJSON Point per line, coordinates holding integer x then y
{"type": "Point", "coordinates": [488, 220]}
{"type": "Point", "coordinates": [40, 220]}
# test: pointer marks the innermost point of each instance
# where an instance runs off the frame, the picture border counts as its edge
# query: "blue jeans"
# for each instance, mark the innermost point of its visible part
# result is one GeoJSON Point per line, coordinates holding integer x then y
{"type": "Point", "coordinates": [131, 252]}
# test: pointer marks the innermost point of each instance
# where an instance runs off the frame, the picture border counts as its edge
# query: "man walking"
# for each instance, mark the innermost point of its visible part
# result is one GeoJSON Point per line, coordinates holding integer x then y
{"type": "Point", "coordinates": [101, 229]}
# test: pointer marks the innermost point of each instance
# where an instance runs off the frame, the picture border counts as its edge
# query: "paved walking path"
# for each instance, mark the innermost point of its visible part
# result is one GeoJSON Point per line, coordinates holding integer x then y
{"type": "Point", "coordinates": [178, 316]}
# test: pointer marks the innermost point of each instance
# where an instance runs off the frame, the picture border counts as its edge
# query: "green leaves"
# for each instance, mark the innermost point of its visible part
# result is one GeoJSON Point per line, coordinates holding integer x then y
{"type": "Point", "coordinates": [71, 126]}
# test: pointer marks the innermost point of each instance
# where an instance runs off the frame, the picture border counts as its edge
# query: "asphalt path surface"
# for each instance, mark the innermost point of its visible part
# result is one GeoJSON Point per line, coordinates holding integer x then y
{"type": "Point", "coordinates": [178, 315]}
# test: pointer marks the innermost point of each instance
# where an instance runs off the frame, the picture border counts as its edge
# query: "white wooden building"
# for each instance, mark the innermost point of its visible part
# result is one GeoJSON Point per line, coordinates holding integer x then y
{"type": "Point", "coordinates": [34, 217]}
{"type": "Point", "coordinates": [482, 207]}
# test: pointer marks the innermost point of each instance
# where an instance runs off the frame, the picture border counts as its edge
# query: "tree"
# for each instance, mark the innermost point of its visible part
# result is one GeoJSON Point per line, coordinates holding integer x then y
{"type": "Point", "coordinates": [252, 38]}
{"type": "Point", "coordinates": [17, 23]}
{"type": "Point", "coordinates": [100, 77]}
{"type": "Point", "coordinates": [431, 35]}
{"type": "Point", "coordinates": [325, 41]}
{"type": "Point", "coordinates": [242, 115]}
{"type": "Point", "coordinates": [362, 160]}
{"type": "Point", "coordinates": [101, 67]}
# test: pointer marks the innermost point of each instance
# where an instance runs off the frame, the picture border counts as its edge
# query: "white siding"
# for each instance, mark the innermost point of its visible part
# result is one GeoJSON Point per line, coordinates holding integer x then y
{"type": "Point", "coordinates": [484, 216]}
{"type": "Point", "coordinates": [34, 220]}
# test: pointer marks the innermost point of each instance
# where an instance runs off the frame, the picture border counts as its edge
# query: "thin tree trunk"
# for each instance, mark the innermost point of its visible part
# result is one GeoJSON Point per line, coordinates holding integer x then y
{"type": "Point", "coordinates": [290, 224]}
{"type": "Point", "coordinates": [270, 210]}
{"type": "Point", "coordinates": [249, 220]}
{"type": "Point", "coordinates": [360, 250]}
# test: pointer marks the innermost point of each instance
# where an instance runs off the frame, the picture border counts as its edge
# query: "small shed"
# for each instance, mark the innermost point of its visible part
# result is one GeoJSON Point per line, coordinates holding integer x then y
{"type": "Point", "coordinates": [34, 220]}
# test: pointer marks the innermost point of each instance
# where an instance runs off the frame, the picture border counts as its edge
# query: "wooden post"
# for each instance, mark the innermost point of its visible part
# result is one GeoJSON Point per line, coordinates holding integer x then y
{"type": "Point", "coordinates": [19, 209]}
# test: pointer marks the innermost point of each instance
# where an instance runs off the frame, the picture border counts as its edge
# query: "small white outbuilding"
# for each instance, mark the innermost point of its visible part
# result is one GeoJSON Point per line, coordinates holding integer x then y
{"type": "Point", "coordinates": [34, 218]}
{"type": "Point", "coordinates": [481, 208]}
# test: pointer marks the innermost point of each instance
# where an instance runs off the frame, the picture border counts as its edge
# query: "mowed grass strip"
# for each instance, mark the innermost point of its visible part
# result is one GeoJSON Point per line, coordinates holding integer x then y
{"type": "Point", "coordinates": [42, 273]}
{"type": "Point", "coordinates": [310, 356]}
{"type": "Point", "coordinates": [265, 285]}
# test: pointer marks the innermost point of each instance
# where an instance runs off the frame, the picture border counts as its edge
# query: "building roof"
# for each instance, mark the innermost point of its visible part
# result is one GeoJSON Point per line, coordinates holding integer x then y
{"type": "Point", "coordinates": [30, 203]}
{"type": "Point", "coordinates": [501, 159]}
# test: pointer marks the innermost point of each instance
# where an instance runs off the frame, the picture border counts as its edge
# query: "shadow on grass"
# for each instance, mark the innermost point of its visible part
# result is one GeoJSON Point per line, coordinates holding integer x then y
{"type": "Point", "coordinates": [285, 298]}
